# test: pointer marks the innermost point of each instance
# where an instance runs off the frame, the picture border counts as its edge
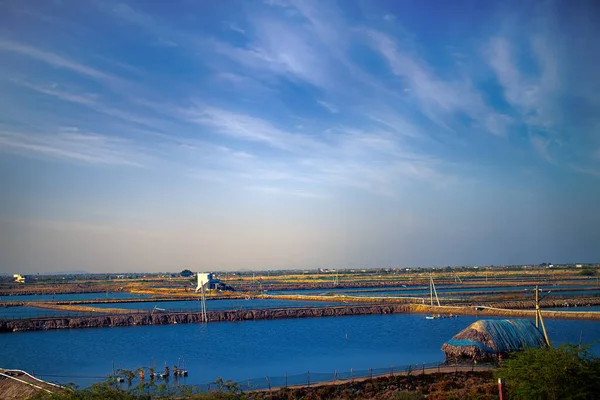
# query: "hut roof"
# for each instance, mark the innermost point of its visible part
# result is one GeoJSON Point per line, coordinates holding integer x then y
{"type": "Point", "coordinates": [486, 339]}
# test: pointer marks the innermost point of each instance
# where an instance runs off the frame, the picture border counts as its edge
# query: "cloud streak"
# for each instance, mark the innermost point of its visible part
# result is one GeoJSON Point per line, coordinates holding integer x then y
{"type": "Point", "coordinates": [53, 59]}
{"type": "Point", "coordinates": [73, 146]}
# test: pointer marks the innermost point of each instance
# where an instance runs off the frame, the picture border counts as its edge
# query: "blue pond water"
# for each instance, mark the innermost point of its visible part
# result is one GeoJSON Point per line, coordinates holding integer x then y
{"type": "Point", "coordinates": [73, 296]}
{"type": "Point", "coordinates": [251, 349]}
{"type": "Point", "coordinates": [234, 304]}
{"type": "Point", "coordinates": [186, 305]}
{"type": "Point", "coordinates": [574, 309]}
{"type": "Point", "coordinates": [30, 312]}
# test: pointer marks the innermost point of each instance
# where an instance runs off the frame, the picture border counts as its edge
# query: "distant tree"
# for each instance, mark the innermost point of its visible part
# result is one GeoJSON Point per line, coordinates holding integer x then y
{"type": "Point", "coordinates": [567, 372]}
{"type": "Point", "coordinates": [588, 272]}
{"type": "Point", "coordinates": [186, 273]}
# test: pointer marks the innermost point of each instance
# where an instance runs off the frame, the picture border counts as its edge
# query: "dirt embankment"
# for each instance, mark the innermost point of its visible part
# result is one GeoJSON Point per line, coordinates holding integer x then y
{"type": "Point", "coordinates": [459, 385]}
{"type": "Point", "coordinates": [164, 318]}
{"type": "Point", "coordinates": [77, 308]}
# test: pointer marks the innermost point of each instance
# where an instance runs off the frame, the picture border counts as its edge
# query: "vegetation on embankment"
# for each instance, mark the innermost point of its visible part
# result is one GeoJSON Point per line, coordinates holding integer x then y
{"type": "Point", "coordinates": [566, 372]}
{"type": "Point", "coordinates": [461, 385]}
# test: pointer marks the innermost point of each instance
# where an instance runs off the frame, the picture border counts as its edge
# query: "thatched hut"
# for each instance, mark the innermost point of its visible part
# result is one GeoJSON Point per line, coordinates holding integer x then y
{"type": "Point", "coordinates": [486, 340]}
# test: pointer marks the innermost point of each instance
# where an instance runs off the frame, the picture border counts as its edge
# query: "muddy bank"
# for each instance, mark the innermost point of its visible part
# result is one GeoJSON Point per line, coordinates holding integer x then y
{"type": "Point", "coordinates": [12, 304]}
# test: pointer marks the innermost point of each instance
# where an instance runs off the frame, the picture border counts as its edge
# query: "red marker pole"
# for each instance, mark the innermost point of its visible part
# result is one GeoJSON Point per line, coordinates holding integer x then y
{"type": "Point", "coordinates": [501, 388]}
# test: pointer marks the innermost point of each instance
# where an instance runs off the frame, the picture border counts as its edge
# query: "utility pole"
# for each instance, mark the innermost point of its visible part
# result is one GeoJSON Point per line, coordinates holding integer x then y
{"type": "Point", "coordinates": [537, 306]}
{"type": "Point", "coordinates": [538, 314]}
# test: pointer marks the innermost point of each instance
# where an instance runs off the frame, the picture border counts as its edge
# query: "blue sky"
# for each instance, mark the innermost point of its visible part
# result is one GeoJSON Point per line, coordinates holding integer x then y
{"type": "Point", "coordinates": [296, 134]}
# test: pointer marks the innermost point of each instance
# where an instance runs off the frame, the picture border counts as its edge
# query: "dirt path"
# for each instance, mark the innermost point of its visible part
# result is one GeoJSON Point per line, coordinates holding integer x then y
{"type": "Point", "coordinates": [17, 385]}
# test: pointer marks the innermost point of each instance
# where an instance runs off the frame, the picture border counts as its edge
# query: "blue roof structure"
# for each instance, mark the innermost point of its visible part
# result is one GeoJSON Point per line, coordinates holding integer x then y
{"type": "Point", "coordinates": [486, 339]}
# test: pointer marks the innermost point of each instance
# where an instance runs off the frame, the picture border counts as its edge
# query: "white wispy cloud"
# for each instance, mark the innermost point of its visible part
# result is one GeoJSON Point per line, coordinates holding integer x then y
{"type": "Point", "coordinates": [288, 192]}
{"type": "Point", "coordinates": [328, 106]}
{"type": "Point", "coordinates": [531, 96]}
{"type": "Point", "coordinates": [93, 102]}
{"type": "Point", "coordinates": [586, 170]}
{"type": "Point", "coordinates": [53, 59]}
{"type": "Point", "coordinates": [396, 123]}
{"type": "Point", "coordinates": [439, 99]}
{"type": "Point", "coordinates": [433, 93]}
{"type": "Point", "coordinates": [236, 28]}
{"type": "Point", "coordinates": [280, 49]}
{"type": "Point", "coordinates": [541, 146]}
{"type": "Point", "coordinates": [71, 145]}
{"type": "Point", "coordinates": [371, 160]}
{"type": "Point", "coordinates": [127, 13]}
{"type": "Point", "coordinates": [249, 128]}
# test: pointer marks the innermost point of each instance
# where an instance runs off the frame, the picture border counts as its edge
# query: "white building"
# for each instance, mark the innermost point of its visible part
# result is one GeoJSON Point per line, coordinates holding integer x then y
{"type": "Point", "coordinates": [207, 280]}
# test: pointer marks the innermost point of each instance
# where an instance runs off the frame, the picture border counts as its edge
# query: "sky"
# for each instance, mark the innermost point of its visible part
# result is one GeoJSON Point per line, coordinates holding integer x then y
{"type": "Point", "coordinates": [159, 136]}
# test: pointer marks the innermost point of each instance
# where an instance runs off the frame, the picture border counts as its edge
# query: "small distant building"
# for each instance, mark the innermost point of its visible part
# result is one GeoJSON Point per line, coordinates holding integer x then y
{"type": "Point", "coordinates": [19, 278]}
{"type": "Point", "coordinates": [579, 266]}
{"type": "Point", "coordinates": [486, 340]}
{"type": "Point", "coordinates": [207, 280]}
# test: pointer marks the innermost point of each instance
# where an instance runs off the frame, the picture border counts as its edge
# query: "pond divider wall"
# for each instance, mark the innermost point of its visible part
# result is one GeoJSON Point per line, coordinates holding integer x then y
{"type": "Point", "coordinates": [165, 318]}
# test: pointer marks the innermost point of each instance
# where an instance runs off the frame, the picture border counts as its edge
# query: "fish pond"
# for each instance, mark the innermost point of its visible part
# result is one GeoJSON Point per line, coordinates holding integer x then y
{"type": "Point", "coordinates": [251, 349]}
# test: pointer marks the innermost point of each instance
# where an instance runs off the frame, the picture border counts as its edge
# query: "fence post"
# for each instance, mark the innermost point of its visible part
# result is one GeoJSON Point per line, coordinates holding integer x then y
{"type": "Point", "coordinates": [268, 383]}
{"type": "Point", "coordinates": [286, 379]}
{"type": "Point", "coordinates": [438, 367]}
{"type": "Point", "coordinates": [370, 373]}
{"type": "Point", "coordinates": [351, 375]}
{"type": "Point", "coordinates": [334, 376]}
{"type": "Point", "coordinates": [423, 369]}
{"type": "Point", "coordinates": [392, 371]}
{"type": "Point", "coordinates": [308, 376]}
{"type": "Point", "coordinates": [248, 384]}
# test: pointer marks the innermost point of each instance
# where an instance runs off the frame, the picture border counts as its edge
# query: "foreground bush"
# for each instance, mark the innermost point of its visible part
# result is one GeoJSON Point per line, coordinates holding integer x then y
{"type": "Point", "coordinates": [567, 372]}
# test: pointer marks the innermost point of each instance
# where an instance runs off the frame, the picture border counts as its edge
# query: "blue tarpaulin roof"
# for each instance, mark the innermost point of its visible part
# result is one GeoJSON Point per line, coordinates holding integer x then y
{"type": "Point", "coordinates": [491, 337]}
